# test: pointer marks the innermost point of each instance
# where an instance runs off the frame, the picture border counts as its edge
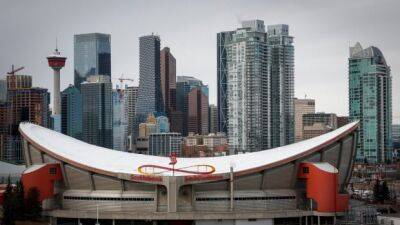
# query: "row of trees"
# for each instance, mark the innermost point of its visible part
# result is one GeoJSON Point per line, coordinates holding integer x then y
{"type": "Point", "coordinates": [381, 191]}
{"type": "Point", "coordinates": [18, 207]}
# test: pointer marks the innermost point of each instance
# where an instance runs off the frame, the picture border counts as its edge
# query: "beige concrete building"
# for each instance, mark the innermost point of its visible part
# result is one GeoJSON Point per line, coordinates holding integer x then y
{"type": "Point", "coordinates": [301, 107]}
{"type": "Point", "coordinates": [316, 124]}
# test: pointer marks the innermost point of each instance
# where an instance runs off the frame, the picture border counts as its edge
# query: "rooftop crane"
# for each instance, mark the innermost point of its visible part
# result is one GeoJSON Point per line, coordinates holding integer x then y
{"type": "Point", "coordinates": [122, 79]}
{"type": "Point", "coordinates": [13, 70]}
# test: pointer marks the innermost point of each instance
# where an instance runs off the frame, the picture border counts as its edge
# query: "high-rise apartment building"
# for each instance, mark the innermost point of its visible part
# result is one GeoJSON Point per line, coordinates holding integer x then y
{"type": "Point", "coordinates": [131, 93]}
{"type": "Point", "coordinates": [97, 111]}
{"type": "Point", "coordinates": [120, 125]}
{"type": "Point", "coordinates": [316, 124]}
{"type": "Point", "coordinates": [71, 112]}
{"type": "Point", "coordinates": [281, 73]}
{"type": "Point", "coordinates": [247, 88]}
{"type": "Point", "coordinates": [213, 118]}
{"type": "Point", "coordinates": [301, 107]}
{"type": "Point", "coordinates": [92, 56]}
{"type": "Point", "coordinates": [197, 111]}
{"type": "Point", "coordinates": [168, 79]}
{"type": "Point", "coordinates": [255, 86]}
{"type": "Point", "coordinates": [370, 102]}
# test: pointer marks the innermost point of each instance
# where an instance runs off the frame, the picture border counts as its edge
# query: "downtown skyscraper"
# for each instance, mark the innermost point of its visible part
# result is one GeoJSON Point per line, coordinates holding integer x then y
{"type": "Point", "coordinates": [370, 102]}
{"type": "Point", "coordinates": [71, 112]}
{"type": "Point", "coordinates": [97, 111]}
{"type": "Point", "coordinates": [92, 56]}
{"type": "Point", "coordinates": [168, 79]}
{"type": "Point", "coordinates": [150, 98]}
{"type": "Point", "coordinates": [184, 86]}
{"type": "Point", "coordinates": [255, 86]}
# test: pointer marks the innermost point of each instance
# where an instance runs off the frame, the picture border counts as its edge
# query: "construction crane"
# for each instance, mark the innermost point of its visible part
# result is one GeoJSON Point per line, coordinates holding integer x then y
{"type": "Point", "coordinates": [122, 79]}
{"type": "Point", "coordinates": [13, 70]}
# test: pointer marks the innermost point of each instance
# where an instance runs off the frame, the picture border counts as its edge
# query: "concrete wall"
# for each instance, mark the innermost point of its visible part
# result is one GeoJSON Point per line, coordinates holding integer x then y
{"type": "Point", "coordinates": [235, 222]}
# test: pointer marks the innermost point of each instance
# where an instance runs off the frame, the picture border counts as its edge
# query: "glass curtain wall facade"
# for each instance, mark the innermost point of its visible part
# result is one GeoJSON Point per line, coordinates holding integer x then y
{"type": "Point", "coordinates": [120, 124]}
{"type": "Point", "coordinates": [184, 85]}
{"type": "Point", "coordinates": [370, 93]}
{"type": "Point", "coordinates": [92, 56]}
{"type": "Point", "coordinates": [97, 111]}
{"type": "Point", "coordinates": [71, 112]}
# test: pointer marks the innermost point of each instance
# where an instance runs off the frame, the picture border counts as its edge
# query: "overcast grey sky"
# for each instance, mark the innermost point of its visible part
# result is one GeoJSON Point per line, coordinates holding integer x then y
{"type": "Point", "coordinates": [323, 31]}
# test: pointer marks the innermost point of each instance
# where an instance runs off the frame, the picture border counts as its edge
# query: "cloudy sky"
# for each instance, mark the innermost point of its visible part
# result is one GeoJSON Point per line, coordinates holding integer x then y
{"type": "Point", "coordinates": [323, 32]}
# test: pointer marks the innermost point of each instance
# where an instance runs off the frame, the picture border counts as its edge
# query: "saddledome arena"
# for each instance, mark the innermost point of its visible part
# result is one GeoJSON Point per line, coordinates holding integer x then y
{"type": "Point", "coordinates": [301, 183]}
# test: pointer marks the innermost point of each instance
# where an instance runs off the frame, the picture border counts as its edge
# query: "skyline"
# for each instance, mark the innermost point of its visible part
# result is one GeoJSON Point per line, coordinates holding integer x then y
{"type": "Point", "coordinates": [194, 43]}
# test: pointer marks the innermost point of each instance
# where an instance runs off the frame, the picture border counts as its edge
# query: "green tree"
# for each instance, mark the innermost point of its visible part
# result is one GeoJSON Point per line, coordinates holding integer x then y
{"type": "Point", "coordinates": [385, 191]}
{"type": "Point", "coordinates": [33, 207]}
{"type": "Point", "coordinates": [8, 205]}
{"type": "Point", "coordinates": [377, 191]}
{"type": "Point", "coordinates": [20, 201]}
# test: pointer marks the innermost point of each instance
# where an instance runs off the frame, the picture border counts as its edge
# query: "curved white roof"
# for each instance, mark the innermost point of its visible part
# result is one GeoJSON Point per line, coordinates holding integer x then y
{"type": "Point", "coordinates": [80, 153]}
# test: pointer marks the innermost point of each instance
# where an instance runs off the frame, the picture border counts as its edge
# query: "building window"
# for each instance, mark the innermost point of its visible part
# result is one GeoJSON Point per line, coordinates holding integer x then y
{"type": "Point", "coordinates": [53, 171]}
{"type": "Point", "coordinates": [306, 170]}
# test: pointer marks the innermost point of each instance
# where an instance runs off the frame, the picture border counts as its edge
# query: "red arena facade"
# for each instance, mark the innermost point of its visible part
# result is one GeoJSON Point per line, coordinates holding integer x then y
{"type": "Point", "coordinates": [300, 183]}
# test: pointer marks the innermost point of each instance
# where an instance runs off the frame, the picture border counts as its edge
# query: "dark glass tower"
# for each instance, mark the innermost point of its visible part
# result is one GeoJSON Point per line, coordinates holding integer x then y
{"type": "Point", "coordinates": [222, 39]}
{"type": "Point", "coordinates": [92, 56]}
{"type": "Point", "coordinates": [71, 112]}
{"type": "Point", "coordinates": [97, 111]}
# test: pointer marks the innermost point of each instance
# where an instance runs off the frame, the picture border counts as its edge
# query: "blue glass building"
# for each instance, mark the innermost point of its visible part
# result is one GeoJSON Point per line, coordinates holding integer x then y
{"type": "Point", "coordinates": [71, 112]}
{"type": "Point", "coordinates": [120, 124]}
{"type": "Point", "coordinates": [162, 124]}
{"type": "Point", "coordinates": [92, 56]}
{"type": "Point", "coordinates": [370, 102]}
{"type": "Point", "coordinates": [97, 111]}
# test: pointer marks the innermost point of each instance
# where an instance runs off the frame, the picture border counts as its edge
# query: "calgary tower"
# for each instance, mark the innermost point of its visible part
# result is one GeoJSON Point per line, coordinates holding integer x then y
{"type": "Point", "coordinates": [56, 62]}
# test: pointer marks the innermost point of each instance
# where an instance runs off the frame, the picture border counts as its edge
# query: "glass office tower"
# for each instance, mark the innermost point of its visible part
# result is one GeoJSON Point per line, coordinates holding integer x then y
{"type": "Point", "coordinates": [71, 112]}
{"type": "Point", "coordinates": [97, 111]}
{"type": "Point", "coordinates": [370, 102]}
{"type": "Point", "coordinates": [92, 56]}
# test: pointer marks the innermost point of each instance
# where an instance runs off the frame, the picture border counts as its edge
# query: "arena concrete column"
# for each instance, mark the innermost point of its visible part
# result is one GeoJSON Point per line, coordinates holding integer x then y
{"type": "Point", "coordinates": [172, 183]}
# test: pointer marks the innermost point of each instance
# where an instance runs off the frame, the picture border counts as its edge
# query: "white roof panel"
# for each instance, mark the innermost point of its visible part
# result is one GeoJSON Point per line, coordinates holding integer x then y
{"type": "Point", "coordinates": [123, 162]}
